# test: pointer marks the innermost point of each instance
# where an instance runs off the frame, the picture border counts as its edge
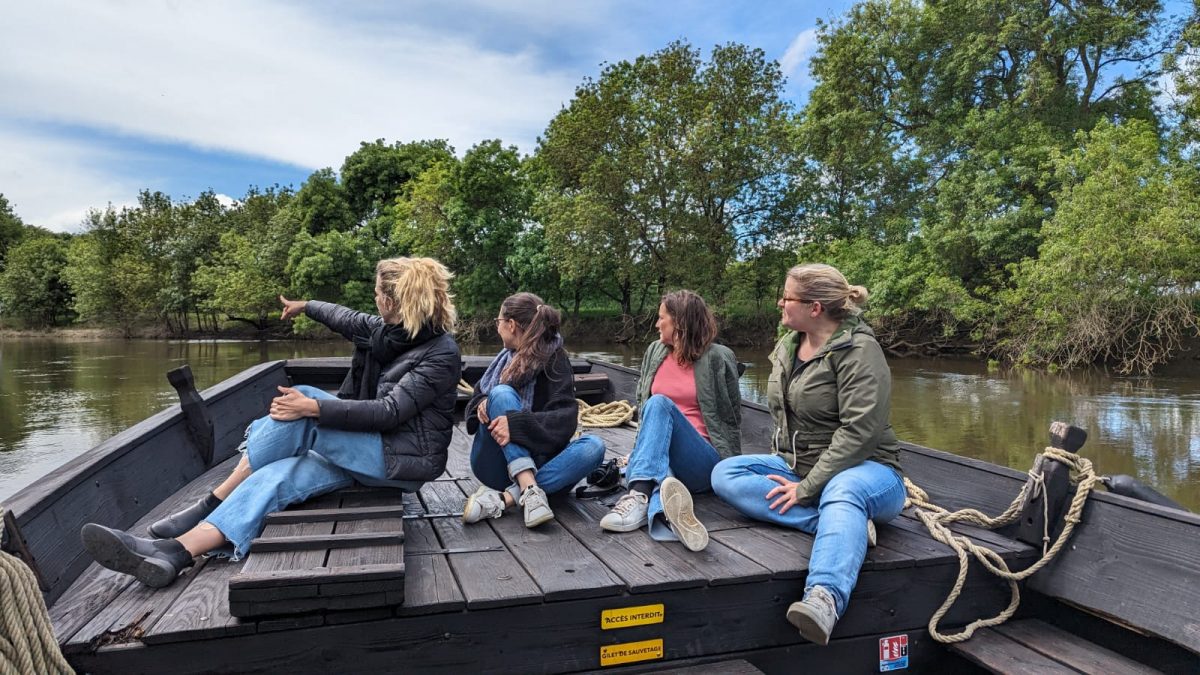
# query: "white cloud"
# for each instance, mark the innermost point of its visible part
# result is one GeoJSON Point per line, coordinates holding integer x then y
{"type": "Point", "coordinates": [53, 183]}
{"type": "Point", "coordinates": [265, 79]}
{"type": "Point", "coordinates": [798, 53]}
{"type": "Point", "coordinates": [225, 200]}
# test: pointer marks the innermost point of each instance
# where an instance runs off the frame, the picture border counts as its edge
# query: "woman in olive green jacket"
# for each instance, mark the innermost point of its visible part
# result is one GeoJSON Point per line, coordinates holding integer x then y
{"type": "Point", "coordinates": [690, 413]}
{"type": "Point", "coordinates": [834, 465]}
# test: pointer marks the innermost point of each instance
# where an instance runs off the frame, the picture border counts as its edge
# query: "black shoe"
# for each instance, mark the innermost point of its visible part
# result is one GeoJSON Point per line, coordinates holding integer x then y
{"type": "Point", "coordinates": [177, 523]}
{"type": "Point", "coordinates": [154, 563]}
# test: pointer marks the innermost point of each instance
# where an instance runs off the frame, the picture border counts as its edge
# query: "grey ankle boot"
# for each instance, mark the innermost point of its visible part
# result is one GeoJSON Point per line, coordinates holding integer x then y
{"type": "Point", "coordinates": [177, 523]}
{"type": "Point", "coordinates": [154, 563]}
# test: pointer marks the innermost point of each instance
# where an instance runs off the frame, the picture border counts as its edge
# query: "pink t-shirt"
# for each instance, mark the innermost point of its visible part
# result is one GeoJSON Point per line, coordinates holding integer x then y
{"type": "Point", "coordinates": [678, 383]}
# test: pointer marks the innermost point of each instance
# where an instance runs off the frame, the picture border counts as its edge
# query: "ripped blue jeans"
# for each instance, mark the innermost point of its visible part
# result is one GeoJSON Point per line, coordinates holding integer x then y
{"type": "Point", "coordinates": [291, 462]}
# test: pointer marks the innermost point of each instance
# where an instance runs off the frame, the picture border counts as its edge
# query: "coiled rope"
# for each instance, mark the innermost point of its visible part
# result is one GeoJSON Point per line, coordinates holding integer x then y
{"type": "Point", "coordinates": [27, 643]}
{"type": "Point", "coordinates": [605, 415]}
{"type": "Point", "coordinates": [937, 520]}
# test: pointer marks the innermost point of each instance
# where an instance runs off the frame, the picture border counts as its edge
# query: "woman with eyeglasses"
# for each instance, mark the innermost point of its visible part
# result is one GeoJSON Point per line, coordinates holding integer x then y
{"type": "Point", "coordinates": [834, 466]}
{"type": "Point", "coordinates": [690, 414]}
{"type": "Point", "coordinates": [389, 425]}
{"type": "Point", "coordinates": [523, 415]}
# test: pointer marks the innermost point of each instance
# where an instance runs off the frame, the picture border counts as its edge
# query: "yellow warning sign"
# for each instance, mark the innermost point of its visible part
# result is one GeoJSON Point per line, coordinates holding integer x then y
{"type": "Point", "coordinates": [631, 652]}
{"type": "Point", "coordinates": [631, 616]}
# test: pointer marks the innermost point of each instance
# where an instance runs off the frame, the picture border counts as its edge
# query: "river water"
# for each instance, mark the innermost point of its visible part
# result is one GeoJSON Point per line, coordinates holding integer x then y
{"type": "Point", "coordinates": [58, 398]}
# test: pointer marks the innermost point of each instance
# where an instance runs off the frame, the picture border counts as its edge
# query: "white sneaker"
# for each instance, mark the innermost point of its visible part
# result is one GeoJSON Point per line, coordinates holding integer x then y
{"type": "Point", "coordinates": [628, 514]}
{"type": "Point", "coordinates": [872, 537]}
{"type": "Point", "coordinates": [677, 507]}
{"type": "Point", "coordinates": [484, 503]}
{"type": "Point", "coordinates": [537, 509]}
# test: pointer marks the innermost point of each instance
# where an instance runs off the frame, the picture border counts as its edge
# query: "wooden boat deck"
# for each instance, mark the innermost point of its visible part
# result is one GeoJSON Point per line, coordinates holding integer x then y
{"type": "Point", "coordinates": [498, 596]}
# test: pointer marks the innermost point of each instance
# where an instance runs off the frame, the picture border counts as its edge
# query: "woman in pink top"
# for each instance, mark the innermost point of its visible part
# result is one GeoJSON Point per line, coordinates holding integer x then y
{"type": "Point", "coordinates": [689, 408]}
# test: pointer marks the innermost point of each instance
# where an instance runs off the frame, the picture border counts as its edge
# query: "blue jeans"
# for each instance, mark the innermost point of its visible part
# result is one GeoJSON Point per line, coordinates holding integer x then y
{"type": "Point", "coordinates": [495, 466]}
{"type": "Point", "coordinates": [668, 445]}
{"type": "Point", "coordinates": [839, 520]}
{"type": "Point", "coordinates": [291, 462]}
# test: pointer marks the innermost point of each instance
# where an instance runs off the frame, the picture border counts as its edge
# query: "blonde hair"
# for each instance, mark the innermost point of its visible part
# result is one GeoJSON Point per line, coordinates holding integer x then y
{"type": "Point", "coordinates": [420, 290]}
{"type": "Point", "coordinates": [826, 285]}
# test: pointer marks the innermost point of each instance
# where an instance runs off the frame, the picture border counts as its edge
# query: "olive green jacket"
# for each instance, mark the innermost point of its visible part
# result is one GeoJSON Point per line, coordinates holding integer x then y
{"type": "Point", "coordinates": [831, 412]}
{"type": "Point", "coordinates": [716, 391]}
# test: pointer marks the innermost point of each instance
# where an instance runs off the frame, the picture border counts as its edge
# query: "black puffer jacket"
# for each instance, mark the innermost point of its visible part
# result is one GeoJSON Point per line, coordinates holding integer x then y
{"type": "Point", "coordinates": [548, 427]}
{"type": "Point", "coordinates": [414, 408]}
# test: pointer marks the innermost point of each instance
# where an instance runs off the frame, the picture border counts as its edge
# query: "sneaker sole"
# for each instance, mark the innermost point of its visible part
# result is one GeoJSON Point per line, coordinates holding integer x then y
{"type": "Point", "coordinates": [872, 536]}
{"type": "Point", "coordinates": [622, 527]}
{"type": "Point", "coordinates": [539, 521]}
{"type": "Point", "coordinates": [110, 552]}
{"type": "Point", "coordinates": [809, 630]}
{"type": "Point", "coordinates": [677, 505]}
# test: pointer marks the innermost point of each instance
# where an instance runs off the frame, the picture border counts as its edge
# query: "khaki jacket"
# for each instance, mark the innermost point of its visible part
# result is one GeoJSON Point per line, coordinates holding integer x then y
{"type": "Point", "coordinates": [831, 412]}
{"type": "Point", "coordinates": [716, 391]}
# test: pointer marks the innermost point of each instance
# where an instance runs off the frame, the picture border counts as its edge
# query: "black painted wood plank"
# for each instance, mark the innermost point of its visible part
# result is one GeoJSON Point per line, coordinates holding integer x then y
{"type": "Point", "coordinates": [132, 613]}
{"type": "Point", "coordinates": [315, 576]}
{"type": "Point", "coordinates": [269, 561]}
{"type": "Point", "coordinates": [97, 587]}
{"type": "Point", "coordinates": [202, 610]}
{"type": "Point", "coordinates": [561, 566]}
{"type": "Point", "coordinates": [344, 513]}
{"type": "Point", "coordinates": [486, 578]}
{"type": "Point", "coordinates": [1132, 565]}
{"type": "Point", "coordinates": [902, 534]}
{"type": "Point", "coordinates": [643, 564]}
{"type": "Point", "coordinates": [433, 587]}
{"type": "Point", "coordinates": [784, 552]}
{"type": "Point", "coordinates": [999, 654]}
{"type": "Point", "coordinates": [325, 541]}
{"type": "Point", "coordinates": [1068, 649]}
{"type": "Point", "coordinates": [369, 555]}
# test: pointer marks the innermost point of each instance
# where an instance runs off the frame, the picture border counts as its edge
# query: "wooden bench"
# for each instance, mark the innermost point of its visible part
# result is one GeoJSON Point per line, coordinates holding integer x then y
{"type": "Point", "coordinates": [344, 550]}
{"type": "Point", "coordinates": [1035, 647]}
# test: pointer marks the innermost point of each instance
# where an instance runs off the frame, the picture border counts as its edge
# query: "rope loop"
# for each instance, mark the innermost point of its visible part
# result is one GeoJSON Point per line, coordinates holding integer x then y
{"type": "Point", "coordinates": [605, 415]}
{"type": "Point", "coordinates": [937, 520]}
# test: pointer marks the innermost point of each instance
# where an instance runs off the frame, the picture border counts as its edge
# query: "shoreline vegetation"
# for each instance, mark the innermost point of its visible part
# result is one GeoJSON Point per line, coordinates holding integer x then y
{"type": "Point", "coordinates": [1016, 181]}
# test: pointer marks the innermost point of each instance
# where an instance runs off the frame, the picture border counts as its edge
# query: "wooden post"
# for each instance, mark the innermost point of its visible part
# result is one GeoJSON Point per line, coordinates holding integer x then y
{"type": "Point", "coordinates": [1042, 512]}
{"type": "Point", "coordinates": [12, 542]}
{"type": "Point", "coordinates": [195, 412]}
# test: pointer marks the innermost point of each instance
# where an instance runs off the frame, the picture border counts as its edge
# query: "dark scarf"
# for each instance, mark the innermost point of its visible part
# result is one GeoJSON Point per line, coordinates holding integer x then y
{"type": "Point", "coordinates": [387, 342]}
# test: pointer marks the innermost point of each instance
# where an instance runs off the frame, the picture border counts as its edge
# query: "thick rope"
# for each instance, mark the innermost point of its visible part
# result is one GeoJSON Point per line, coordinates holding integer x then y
{"type": "Point", "coordinates": [604, 415]}
{"type": "Point", "coordinates": [464, 388]}
{"type": "Point", "coordinates": [937, 519]}
{"type": "Point", "coordinates": [27, 643]}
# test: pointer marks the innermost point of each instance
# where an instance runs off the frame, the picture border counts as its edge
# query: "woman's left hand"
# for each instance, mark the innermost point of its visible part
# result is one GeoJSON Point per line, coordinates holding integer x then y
{"type": "Point", "coordinates": [292, 405]}
{"type": "Point", "coordinates": [786, 493]}
{"type": "Point", "coordinates": [498, 428]}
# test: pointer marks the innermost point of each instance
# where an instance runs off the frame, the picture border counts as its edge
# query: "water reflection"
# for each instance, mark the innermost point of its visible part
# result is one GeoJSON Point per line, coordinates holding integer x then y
{"type": "Point", "coordinates": [59, 398]}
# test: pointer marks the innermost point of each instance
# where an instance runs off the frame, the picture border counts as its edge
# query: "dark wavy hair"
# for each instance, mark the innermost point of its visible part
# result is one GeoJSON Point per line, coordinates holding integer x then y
{"type": "Point", "coordinates": [539, 324]}
{"type": "Point", "coordinates": [695, 325]}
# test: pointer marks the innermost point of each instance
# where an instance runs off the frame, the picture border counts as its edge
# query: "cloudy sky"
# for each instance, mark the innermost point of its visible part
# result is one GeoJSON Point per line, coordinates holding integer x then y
{"type": "Point", "coordinates": [102, 98]}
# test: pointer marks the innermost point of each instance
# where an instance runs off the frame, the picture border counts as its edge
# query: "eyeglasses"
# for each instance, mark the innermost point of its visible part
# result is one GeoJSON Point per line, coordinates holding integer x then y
{"type": "Point", "coordinates": [499, 319]}
{"type": "Point", "coordinates": [785, 300]}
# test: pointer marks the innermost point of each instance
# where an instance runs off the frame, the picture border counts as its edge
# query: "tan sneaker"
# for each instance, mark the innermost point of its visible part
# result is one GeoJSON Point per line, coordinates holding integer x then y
{"type": "Point", "coordinates": [537, 507]}
{"type": "Point", "coordinates": [628, 514]}
{"type": "Point", "coordinates": [677, 507]}
{"type": "Point", "coordinates": [872, 536]}
{"type": "Point", "coordinates": [815, 615]}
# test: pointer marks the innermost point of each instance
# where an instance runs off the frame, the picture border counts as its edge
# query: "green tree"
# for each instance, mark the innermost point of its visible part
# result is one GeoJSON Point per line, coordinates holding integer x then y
{"type": "Point", "coordinates": [942, 121]}
{"type": "Point", "coordinates": [31, 282]}
{"type": "Point", "coordinates": [659, 167]}
{"type": "Point", "coordinates": [1117, 272]}
{"type": "Point", "coordinates": [11, 228]}
{"type": "Point", "coordinates": [376, 173]}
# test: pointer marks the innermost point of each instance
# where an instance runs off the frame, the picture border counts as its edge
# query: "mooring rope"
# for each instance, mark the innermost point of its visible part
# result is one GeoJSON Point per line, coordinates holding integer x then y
{"type": "Point", "coordinates": [464, 388]}
{"type": "Point", "coordinates": [937, 519]}
{"type": "Point", "coordinates": [604, 415]}
{"type": "Point", "coordinates": [27, 643]}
